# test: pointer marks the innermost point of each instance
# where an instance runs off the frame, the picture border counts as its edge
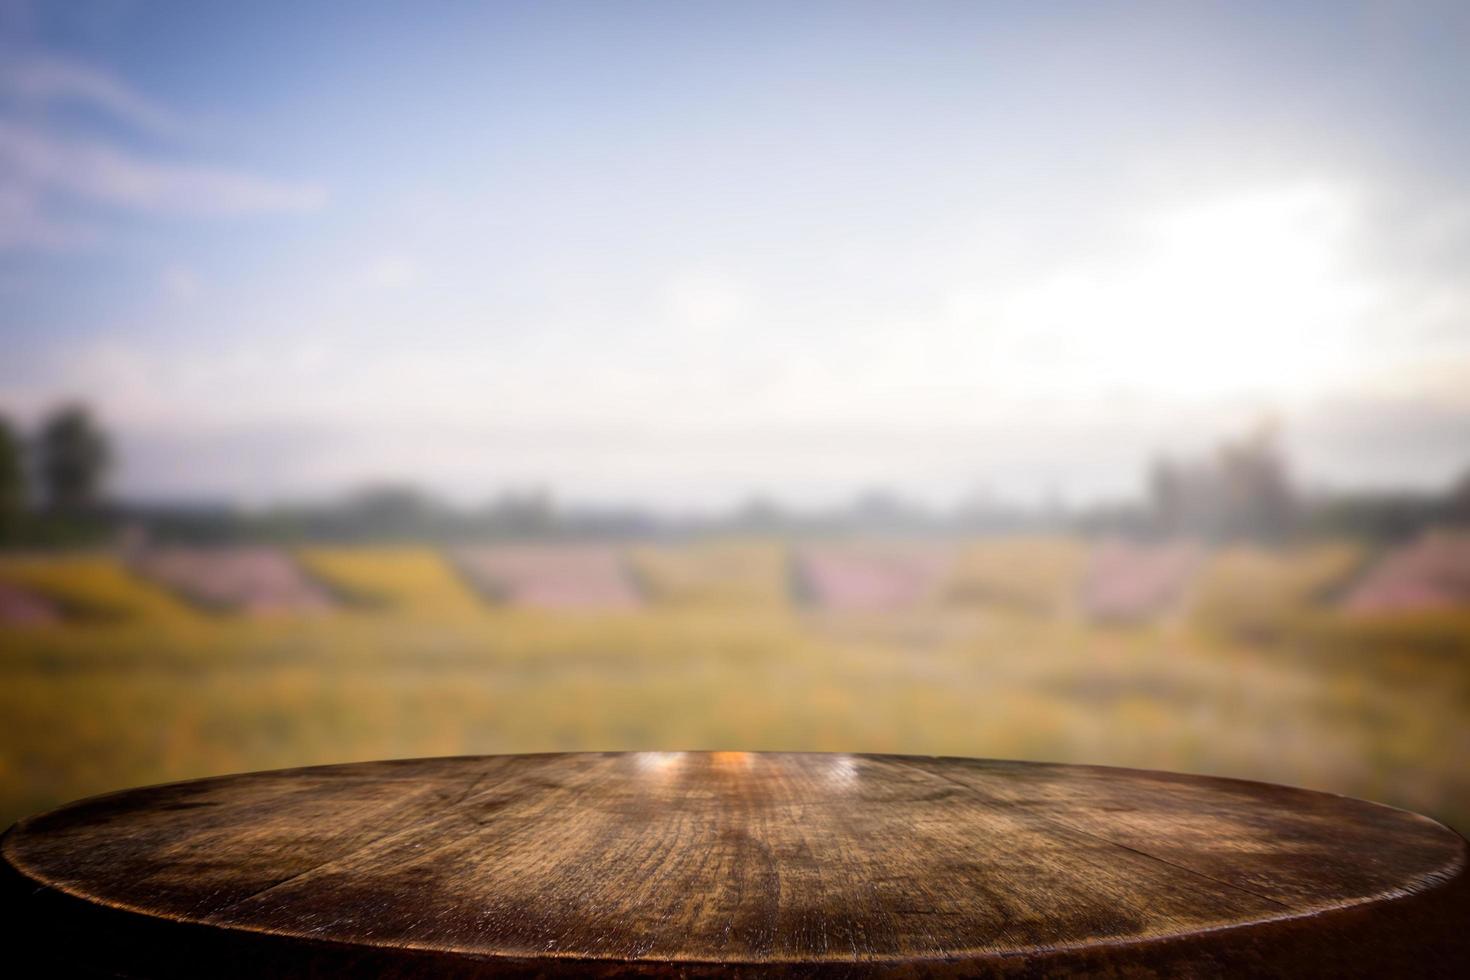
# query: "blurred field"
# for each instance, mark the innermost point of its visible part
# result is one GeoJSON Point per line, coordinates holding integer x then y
{"type": "Point", "coordinates": [728, 573]}
{"type": "Point", "coordinates": [404, 580]}
{"type": "Point", "coordinates": [1254, 672]}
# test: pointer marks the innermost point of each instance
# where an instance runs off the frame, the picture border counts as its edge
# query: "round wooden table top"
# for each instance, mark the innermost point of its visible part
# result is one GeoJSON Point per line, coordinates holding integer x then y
{"type": "Point", "coordinates": [734, 862]}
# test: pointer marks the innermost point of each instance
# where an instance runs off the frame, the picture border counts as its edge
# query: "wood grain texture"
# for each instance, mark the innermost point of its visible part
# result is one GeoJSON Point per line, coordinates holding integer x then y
{"type": "Point", "coordinates": [734, 863]}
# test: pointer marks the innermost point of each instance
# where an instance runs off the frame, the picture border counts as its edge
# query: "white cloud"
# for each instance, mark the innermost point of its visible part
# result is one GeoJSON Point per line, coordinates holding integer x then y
{"type": "Point", "coordinates": [99, 172]}
{"type": "Point", "coordinates": [1249, 293]}
{"type": "Point", "coordinates": [706, 301]}
{"type": "Point", "coordinates": [48, 160]}
{"type": "Point", "coordinates": [40, 79]}
{"type": "Point", "coordinates": [394, 272]}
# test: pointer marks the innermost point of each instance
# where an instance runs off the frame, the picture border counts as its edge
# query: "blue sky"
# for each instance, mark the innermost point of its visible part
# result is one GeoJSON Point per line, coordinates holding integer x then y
{"type": "Point", "coordinates": [679, 253]}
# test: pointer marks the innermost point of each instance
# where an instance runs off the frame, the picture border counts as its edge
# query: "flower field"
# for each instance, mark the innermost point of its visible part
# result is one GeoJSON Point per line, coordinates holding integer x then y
{"type": "Point", "coordinates": [1431, 573]}
{"type": "Point", "coordinates": [1255, 592]}
{"type": "Point", "coordinates": [1126, 582]}
{"type": "Point", "coordinates": [409, 580]}
{"type": "Point", "coordinates": [22, 607]}
{"type": "Point", "coordinates": [1032, 574]}
{"type": "Point", "coordinates": [712, 573]}
{"type": "Point", "coordinates": [1254, 666]}
{"type": "Point", "coordinates": [871, 578]}
{"type": "Point", "coordinates": [95, 589]}
{"type": "Point", "coordinates": [565, 577]}
{"type": "Point", "coordinates": [254, 581]}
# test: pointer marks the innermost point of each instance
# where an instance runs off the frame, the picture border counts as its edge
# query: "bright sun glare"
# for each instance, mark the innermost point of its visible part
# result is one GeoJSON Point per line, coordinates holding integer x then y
{"type": "Point", "coordinates": [1247, 294]}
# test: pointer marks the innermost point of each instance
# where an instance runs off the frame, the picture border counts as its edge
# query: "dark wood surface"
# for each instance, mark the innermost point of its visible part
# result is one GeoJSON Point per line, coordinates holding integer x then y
{"type": "Point", "coordinates": [732, 862]}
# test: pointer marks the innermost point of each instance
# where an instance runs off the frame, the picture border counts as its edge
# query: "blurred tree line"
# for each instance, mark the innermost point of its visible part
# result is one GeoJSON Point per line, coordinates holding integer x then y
{"type": "Point", "coordinates": [1243, 491]}
{"type": "Point", "coordinates": [53, 493]}
{"type": "Point", "coordinates": [52, 483]}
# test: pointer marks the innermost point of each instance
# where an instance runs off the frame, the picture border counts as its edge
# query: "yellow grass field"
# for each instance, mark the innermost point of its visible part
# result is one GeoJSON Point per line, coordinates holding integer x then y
{"type": "Point", "coordinates": [404, 580]}
{"type": "Point", "coordinates": [729, 573]}
{"type": "Point", "coordinates": [138, 688]}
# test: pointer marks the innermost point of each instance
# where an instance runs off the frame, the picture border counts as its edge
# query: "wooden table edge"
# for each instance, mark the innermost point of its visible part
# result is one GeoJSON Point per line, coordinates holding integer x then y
{"type": "Point", "coordinates": [1364, 937]}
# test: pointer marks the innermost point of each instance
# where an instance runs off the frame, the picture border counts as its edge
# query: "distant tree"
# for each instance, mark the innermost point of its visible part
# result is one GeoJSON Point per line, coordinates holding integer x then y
{"type": "Point", "coordinates": [759, 513]}
{"type": "Point", "coordinates": [522, 513]}
{"type": "Point", "coordinates": [1186, 497]}
{"type": "Point", "coordinates": [73, 457]}
{"type": "Point", "coordinates": [1244, 491]}
{"type": "Point", "coordinates": [1166, 488]}
{"type": "Point", "coordinates": [1457, 503]}
{"type": "Point", "coordinates": [390, 510]}
{"type": "Point", "coordinates": [1257, 499]}
{"type": "Point", "coordinates": [13, 495]}
{"type": "Point", "coordinates": [883, 510]}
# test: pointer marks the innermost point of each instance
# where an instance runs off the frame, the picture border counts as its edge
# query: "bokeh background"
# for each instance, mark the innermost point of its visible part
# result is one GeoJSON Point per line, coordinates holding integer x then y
{"type": "Point", "coordinates": [1076, 382]}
